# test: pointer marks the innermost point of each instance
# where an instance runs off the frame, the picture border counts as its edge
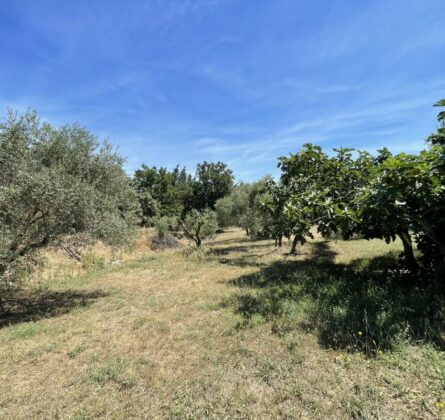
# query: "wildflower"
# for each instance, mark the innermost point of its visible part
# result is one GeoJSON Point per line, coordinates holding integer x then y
{"type": "Point", "coordinates": [380, 352]}
{"type": "Point", "coordinates": [359, 333]}
{"type": "Point", "coordinates": [440, 405]}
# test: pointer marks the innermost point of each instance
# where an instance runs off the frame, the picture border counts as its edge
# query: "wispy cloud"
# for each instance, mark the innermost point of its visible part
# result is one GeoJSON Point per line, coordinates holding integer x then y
{"type": "Point", "coordinates": [180, 81]}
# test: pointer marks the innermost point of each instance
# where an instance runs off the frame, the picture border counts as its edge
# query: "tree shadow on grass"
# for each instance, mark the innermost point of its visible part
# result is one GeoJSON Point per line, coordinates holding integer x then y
{"type": "Point", "coordinates": [237, 249]}
{"type": "Point", "coordinates": [229, 241]}
{"type": "Point", "coordinates": [241, 256]}
{"type": "Point", "coordinates": [245, 260]}
{"type": "Point", "coordinates": [33, 306]}
{"type": "Point", "coordinates": [367, 305]}
{"type": "Point", "coordinates": [320, 252]}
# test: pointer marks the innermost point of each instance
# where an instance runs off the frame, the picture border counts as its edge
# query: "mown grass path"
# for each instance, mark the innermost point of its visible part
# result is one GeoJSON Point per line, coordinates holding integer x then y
{"type": "Point", "coordinates": [166, 337]}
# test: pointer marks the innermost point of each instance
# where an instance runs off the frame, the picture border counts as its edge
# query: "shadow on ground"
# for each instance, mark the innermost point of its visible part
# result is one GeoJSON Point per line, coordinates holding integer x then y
{"type": "Point", "coordinates": [242, 253]}
{"type": "Point", "coordinates": [229, 241]}
{"type": "Point", "coordinates": [44, 304]}
{"type": "Point", "coordinates": [238, 248]}
{"type": "Point", "coordinates": [367, 305]}
{"type": "Point", "coordinates": [250, 255]}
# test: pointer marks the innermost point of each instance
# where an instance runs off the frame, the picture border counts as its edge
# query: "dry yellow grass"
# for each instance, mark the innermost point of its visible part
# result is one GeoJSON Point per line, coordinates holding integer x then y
{"type": "Point", "coordinates": [56, 263]}
{"type": "Point", "coordinates": [157, 337]}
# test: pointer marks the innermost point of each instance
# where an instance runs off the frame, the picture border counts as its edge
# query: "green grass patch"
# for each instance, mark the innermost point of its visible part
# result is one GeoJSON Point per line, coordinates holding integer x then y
{"type": "Point", "coordinates": [28, 330]}
{"type": "Point", "coordinates": [368, 310]}
{"type": "Point", "coordinates": [116, 369]}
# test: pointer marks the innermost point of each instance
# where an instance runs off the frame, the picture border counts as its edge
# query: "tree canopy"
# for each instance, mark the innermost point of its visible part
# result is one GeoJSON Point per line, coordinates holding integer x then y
{"type": "Point", "coordinates": [57, 182]}
{"type": "Point", "coordinates": [354, 193]}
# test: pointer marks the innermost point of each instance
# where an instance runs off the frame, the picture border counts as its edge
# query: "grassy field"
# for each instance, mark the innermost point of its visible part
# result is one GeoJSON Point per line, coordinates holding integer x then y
{"type": "Point", "coordinates": [236, 330]}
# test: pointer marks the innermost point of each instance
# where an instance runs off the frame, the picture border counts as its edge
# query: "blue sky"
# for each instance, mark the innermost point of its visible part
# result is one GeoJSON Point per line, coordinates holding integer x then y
{"type": "Point", "coordinates": [181, 81]}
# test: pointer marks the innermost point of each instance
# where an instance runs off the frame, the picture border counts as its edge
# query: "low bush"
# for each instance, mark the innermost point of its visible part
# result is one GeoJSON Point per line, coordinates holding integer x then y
{"type": "Point", "coordinates": [159, 243]}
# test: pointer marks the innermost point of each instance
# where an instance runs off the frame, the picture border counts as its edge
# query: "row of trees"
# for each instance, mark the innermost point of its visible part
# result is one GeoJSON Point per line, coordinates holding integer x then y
{"type": "Point", "coordinates": [351, 193]}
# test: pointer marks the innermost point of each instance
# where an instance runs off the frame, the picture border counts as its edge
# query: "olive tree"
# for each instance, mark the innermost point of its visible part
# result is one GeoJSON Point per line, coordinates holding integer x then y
{"type": "Point", "coordinates": [199, 225]}
{"type": "Point", "coordinates": [224, 211]}
{"type": "Point", "coordinates": [58, 182]}
{"type": "Point", "coordinates": [149, 208]}
{"type": "Point", "coordinates": [232, 209]}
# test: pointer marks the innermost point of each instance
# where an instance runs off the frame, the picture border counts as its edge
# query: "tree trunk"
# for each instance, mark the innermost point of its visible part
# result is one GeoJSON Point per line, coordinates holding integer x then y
{"type": "Point", "coordinates": [280, 240]}
{"type": "Point", "coordinates": [293, 250]}
{"type": "Point", "coordinates": [442, 249]}
{"type": "Point", "coordinates": [408, 251]}
{"type": "Point", "coordinates": [198, 241]}
{"type": "Point", "coordinates": [247, 231]}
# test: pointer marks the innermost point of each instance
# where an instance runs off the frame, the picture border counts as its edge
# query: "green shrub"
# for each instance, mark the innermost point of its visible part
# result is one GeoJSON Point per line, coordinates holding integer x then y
{"type": "Point", "coordinates": [92, 261]}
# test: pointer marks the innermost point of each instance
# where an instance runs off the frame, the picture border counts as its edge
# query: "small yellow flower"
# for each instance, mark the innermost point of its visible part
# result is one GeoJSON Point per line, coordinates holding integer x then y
{"type": "Point", "coordinates": [380, 352]}
{"type": "Point", "coordinates": [440, 405]}
{"type": "Point", "coordinates": [359, 333]}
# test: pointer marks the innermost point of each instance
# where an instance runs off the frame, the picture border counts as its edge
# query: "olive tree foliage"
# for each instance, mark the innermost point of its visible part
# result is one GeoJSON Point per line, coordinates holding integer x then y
{"type": "Point", "coordinates": [258, 220]}
{"type": "Point", "coordinates": [244, 208]}
{"type": "Point", "coordinates": [166, 227]}
{"type": "Point", "coordinates": [199, 225]}
{"type": "Point", "coordinates": [58, 182]}
{"type": "Point", "coordinates": [224, 212]}
{"type": "Point", "coordinates": [231, 210]}
{"type": "Point", "coordinates": [150, 208]}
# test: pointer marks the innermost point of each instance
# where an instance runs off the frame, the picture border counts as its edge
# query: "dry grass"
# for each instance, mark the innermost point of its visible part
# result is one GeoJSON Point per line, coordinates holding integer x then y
{"type": "Point", "coordinates": [160, 336]}
{"type": "Point", "coordinates": [55, 263]}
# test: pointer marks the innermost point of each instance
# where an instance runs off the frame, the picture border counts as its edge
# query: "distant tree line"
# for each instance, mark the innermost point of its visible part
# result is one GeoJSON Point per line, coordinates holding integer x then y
{"type": "Point", "coordinates": [177, 192]}
{"type": "Point", "coordinates": [182, 201]}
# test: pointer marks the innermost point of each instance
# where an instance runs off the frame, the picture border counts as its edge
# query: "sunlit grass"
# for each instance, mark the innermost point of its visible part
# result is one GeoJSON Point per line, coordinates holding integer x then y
{"type": "Point", "coordinates": [235, 330]}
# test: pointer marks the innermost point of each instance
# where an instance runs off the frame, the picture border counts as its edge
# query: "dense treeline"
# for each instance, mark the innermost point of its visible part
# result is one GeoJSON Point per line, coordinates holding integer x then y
{"type": "Point", "coordinates": [177, 192]}
{"type": "Point", "coordinates": [174, 201]}
{"type": "Point", "coordinates": [64, 187]}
